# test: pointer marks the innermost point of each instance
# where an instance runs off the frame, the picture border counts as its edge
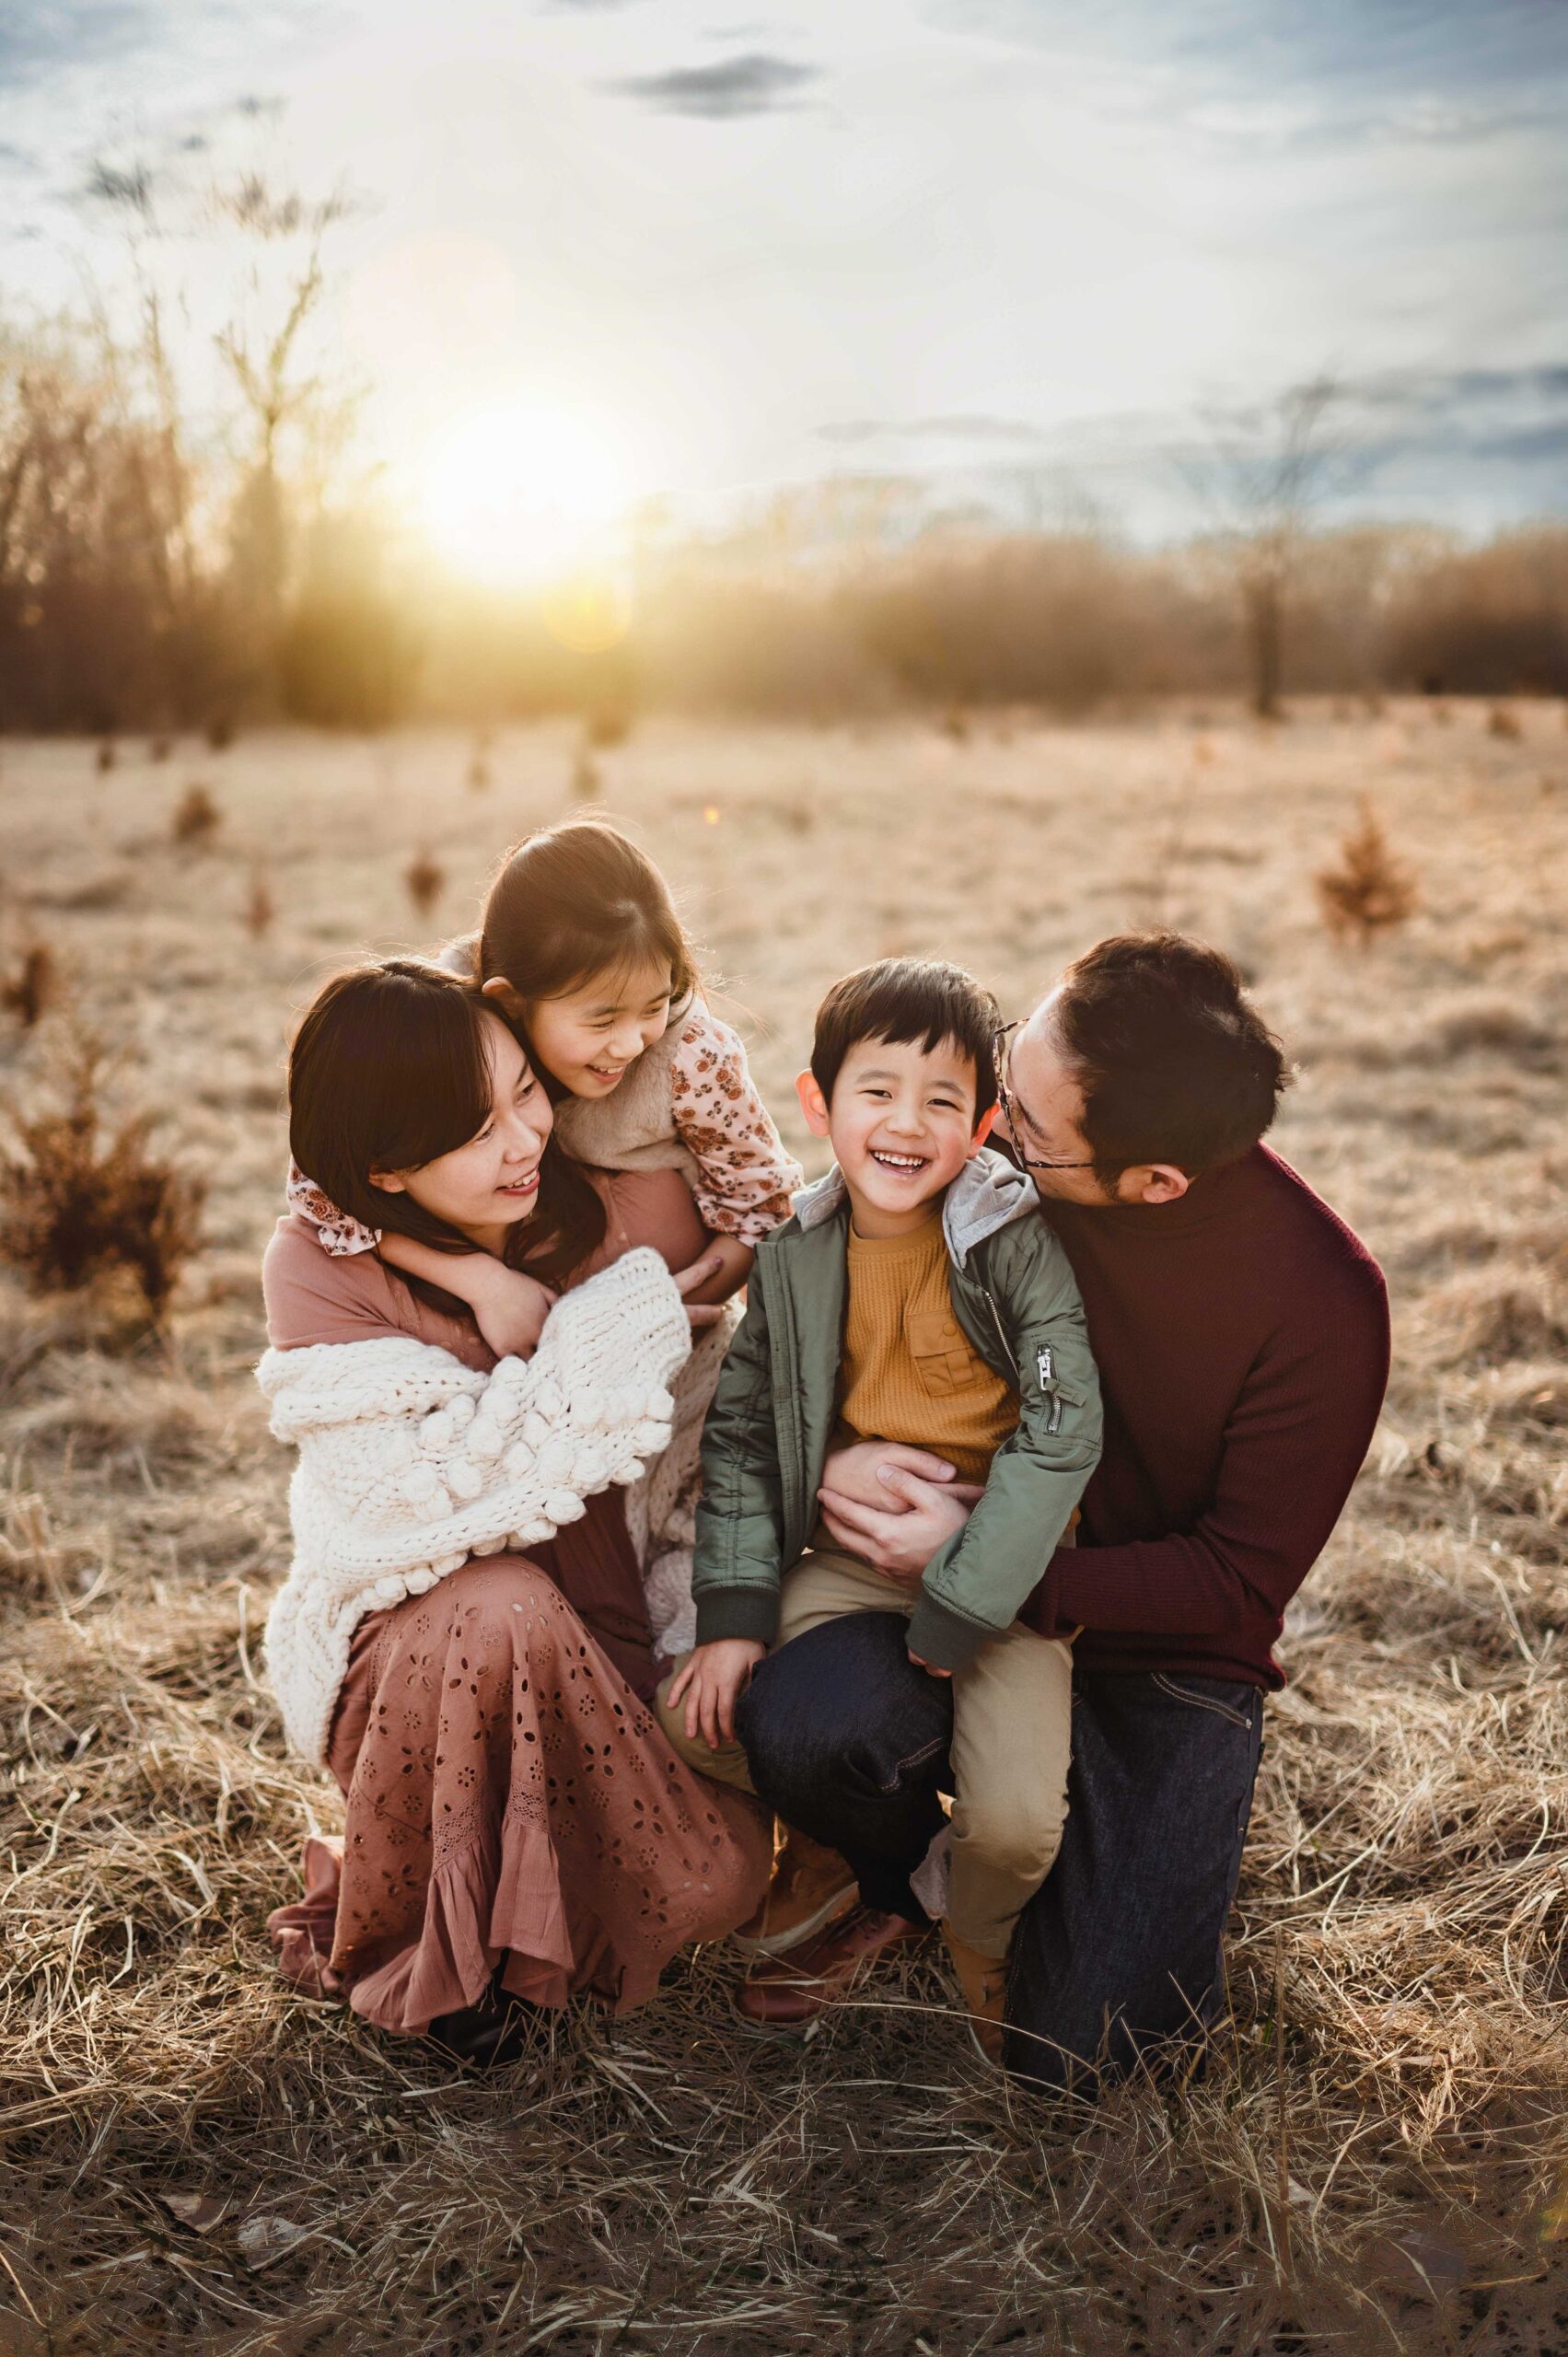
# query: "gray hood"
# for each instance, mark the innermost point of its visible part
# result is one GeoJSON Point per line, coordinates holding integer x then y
{"type": "Point", "coordinates": [987, 1194]}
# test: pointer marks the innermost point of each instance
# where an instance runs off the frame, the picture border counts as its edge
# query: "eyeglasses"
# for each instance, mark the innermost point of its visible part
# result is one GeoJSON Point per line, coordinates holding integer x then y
{"type": "Point", "coordinates": [1005, 1099]}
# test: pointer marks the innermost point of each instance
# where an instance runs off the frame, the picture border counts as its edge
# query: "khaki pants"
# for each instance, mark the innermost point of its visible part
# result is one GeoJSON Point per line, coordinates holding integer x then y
{"type": "Point", "coordinates": [1012, 1731]}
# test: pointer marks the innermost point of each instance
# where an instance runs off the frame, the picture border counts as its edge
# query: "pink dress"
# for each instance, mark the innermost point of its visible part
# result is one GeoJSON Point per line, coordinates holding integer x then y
{"type": "Point", "coordinates": [509, 1799]}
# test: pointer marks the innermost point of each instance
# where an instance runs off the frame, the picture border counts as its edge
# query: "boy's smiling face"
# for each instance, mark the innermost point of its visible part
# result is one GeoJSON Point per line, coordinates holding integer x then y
{"type": "Point", "coordinates": [901, 1124]}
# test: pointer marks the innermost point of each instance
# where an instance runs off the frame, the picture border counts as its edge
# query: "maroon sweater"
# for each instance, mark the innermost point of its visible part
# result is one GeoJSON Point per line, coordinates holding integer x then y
{"type": "Point", "coordinates": [1242, 1340]}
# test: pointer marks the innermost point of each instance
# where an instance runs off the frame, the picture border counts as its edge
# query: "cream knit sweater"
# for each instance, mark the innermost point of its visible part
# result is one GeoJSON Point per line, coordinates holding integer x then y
{"type": "Point", "coordinates": [410, 1462]}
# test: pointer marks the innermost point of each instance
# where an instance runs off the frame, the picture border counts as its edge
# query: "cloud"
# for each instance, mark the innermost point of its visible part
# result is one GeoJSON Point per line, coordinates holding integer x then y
{"type": "Point", "coordinates": [1307, 76]}
{"type": "Point", "coordinates": [40, 37]}
{"type": "Point", "coordinates": [850, 432]}
{"type": "Point", "coordinates": [754, 83]}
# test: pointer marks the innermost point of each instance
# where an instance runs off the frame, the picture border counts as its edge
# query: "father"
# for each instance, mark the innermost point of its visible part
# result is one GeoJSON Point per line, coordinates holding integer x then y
{"type": "Point", "coordinates": [1242, 1336]}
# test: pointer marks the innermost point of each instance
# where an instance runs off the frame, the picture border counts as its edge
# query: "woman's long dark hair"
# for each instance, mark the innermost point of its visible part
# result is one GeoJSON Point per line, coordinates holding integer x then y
{"type": "Point", "coordinates": [572, 900]}
{"type": "Point", "coordinates": [388, 1071]}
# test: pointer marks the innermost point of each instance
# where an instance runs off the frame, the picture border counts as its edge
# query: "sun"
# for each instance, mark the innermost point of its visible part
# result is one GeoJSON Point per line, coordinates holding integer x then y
{"type": "Point", "coordinates": [519, 495]}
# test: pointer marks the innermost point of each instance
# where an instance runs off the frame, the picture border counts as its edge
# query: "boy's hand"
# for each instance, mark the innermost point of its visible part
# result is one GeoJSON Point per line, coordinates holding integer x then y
{"type": "Point", "coordinates": [712, 1680]}
{"type": "Point", "coordinates": [929, 1667]}
{"type": "Point", "coordinates": [510, 1307]}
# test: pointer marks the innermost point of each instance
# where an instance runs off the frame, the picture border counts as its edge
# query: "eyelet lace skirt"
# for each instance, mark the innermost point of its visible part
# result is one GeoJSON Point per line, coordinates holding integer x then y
{"type": "Point", "coordinates": [511, 1803]}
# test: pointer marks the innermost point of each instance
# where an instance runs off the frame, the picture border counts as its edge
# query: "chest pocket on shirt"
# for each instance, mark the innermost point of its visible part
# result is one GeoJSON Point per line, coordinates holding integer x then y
{"type": "Point", "coordinates": [940, 1352]}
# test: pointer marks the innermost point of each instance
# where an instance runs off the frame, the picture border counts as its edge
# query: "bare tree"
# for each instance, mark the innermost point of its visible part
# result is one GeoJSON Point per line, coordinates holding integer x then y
{"type": "Point", "coordinates": [279, 391]}
{"type": "Point", "coordinates": [1264, 475]}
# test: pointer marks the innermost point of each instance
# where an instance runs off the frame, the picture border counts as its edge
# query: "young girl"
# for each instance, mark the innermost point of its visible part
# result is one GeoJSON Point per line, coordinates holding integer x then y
{"type": "Point", "coordinates": [516, 1825]}
{"type": "Point", "coordinates": [580, 946]}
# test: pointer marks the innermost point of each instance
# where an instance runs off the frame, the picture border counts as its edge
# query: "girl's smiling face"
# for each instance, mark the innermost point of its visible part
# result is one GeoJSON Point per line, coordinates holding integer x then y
{"type": "Point", "coordinates": [486, 1186]}
{"type": "Point", "coordinates": [587, 1037]}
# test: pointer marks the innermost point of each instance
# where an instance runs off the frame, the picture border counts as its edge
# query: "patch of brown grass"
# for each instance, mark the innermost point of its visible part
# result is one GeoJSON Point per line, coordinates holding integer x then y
{"type": "Point", "coordinates": [587, 780]}
{"type": "Point", "coordinates": [261, 908]}
{"type": "Point", "coordinates": [31, 985]}
{"type": "Point", "coordinates": [1368, 891]}
{"type": "Point", "coordinates": [1377, 2157]}
{"type": "Point", "coordinates": [84, 1198]}
{"type": "Point", "coordinates": [425, 880]}
{"type": "Point", "coordinates": [196, 819]}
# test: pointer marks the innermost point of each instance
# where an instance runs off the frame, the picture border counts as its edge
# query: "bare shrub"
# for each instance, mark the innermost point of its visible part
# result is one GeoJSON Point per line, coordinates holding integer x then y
{"type": "Point", "coordinates": [196, 819]}
{"type": "Point", "coordinates": [609, 726]}
{"type": "Point", "coordinates": [107, 757]}
{"type": "Point", "coordinates": [425, 880]}
{"type": "Point", "coordinates": [1369, 891]}
{"type": "Point", "coordinates": [160, 748]}
{"type": "Point", "coordinates": [261, 909]}
{"type": "Point", "coordinates": [1507, 1319]}
{"type": "Point", "coordinates": [955, 723]}
{"type": "Point", "coordinates": [220, 732]}
{"type": "Point", "coordinates": [1503, 723]}
{"type": "Point", "coordinates": [85, 1199]}
{"type": "Point", "coordinates": [33, 985]}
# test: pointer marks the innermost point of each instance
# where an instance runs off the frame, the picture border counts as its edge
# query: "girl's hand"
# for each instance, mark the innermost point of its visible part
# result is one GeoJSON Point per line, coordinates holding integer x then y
{"type": "Point", "coordinates": [689, 1282]}
{"type": "Point", "coordinates": [510, 1307]}
{"type": "Point", "coordinates": [734, 1260]}
{"type": "Point", "coordinates": [929, 1667]}
{"type": "Point", "coordinates": [713, 1679]}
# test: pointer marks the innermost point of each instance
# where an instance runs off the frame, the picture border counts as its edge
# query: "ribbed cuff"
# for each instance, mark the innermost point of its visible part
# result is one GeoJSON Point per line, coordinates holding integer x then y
{"type": "Point", "coordinates": [944, 1639]}
{"type": "Point", "coordinates": [738, 1612]}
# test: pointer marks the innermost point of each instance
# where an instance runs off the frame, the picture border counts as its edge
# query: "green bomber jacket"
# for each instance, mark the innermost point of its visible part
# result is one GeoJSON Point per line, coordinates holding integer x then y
{"type": "Point", "coordinates": [770, 1425]}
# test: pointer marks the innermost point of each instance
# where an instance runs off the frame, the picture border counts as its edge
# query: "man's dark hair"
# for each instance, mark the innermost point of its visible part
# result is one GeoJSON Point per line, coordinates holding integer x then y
{"type": "Point", "coordinates": [906, 1000]}
{"type": "Point", "coordinates": [1174, 1065]}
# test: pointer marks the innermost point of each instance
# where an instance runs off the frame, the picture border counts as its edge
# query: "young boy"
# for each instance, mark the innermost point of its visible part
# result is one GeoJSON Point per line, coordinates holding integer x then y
{"type": "Point", "coordinates": [915, 1297]}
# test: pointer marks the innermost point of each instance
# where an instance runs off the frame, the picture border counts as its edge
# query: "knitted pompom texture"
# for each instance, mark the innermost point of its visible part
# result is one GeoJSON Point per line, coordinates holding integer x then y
{"type": "Point", "coordinates": [410, 1462]}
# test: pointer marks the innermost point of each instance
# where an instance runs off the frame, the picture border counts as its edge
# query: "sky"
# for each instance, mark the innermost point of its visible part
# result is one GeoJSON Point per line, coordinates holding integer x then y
{"type": "Point", "coordinates": [1021, 250]}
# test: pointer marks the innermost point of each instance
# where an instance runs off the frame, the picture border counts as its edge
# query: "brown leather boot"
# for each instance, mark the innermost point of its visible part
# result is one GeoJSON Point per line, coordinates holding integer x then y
{"type": "Point", "coordinates": [982, 1980]}
{"type": "Point", "coordinates": [811, 1886]}
{"type": "Point", "coordinates": [792, 1989]}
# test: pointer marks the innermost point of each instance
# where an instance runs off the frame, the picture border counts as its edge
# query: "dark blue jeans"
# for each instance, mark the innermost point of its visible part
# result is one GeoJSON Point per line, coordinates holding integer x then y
{"type": "Point", "coordinates": [1117, 1958]}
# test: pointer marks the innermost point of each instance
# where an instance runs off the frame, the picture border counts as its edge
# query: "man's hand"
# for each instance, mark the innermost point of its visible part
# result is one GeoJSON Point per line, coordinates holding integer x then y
{"type": "Point", "coordinates": [712, 1680]}
{"type": "Point", "coordinates": [855, 1472]}
{"type": "Point", "coordinates": [900, 1536]}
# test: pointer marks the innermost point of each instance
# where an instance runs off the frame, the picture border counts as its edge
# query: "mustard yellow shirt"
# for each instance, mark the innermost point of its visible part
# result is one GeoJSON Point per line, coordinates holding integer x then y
{"type": "Point", "coordinates": [909, 1372]}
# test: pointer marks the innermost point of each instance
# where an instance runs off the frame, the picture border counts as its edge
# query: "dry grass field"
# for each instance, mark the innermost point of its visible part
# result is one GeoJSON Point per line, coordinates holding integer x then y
{"type": "Point", "coordinates": [1377, 2158]}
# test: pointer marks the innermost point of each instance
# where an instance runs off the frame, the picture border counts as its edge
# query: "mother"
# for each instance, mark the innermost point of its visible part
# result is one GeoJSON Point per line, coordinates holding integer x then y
{"type": "Point", "coordinates": [517, 1828]}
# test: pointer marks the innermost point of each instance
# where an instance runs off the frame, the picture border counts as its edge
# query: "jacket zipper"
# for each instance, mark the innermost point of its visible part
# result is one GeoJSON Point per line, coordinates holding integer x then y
{"type": "Point", "coordinates": [786, 1409]}
{"type": "Point", "coordinates": [1001, 1333]}
{"type": "Point", "coordinates": [1054, 1422]}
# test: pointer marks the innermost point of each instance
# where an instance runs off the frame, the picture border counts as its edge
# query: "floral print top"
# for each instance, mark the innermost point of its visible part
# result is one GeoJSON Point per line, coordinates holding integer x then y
{"type": "Point", "coordinates": [744, 1175]}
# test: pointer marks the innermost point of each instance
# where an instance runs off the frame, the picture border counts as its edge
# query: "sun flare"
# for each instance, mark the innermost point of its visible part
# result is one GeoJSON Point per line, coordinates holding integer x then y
{"type": "Point", "coordinates": [518, 495]}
